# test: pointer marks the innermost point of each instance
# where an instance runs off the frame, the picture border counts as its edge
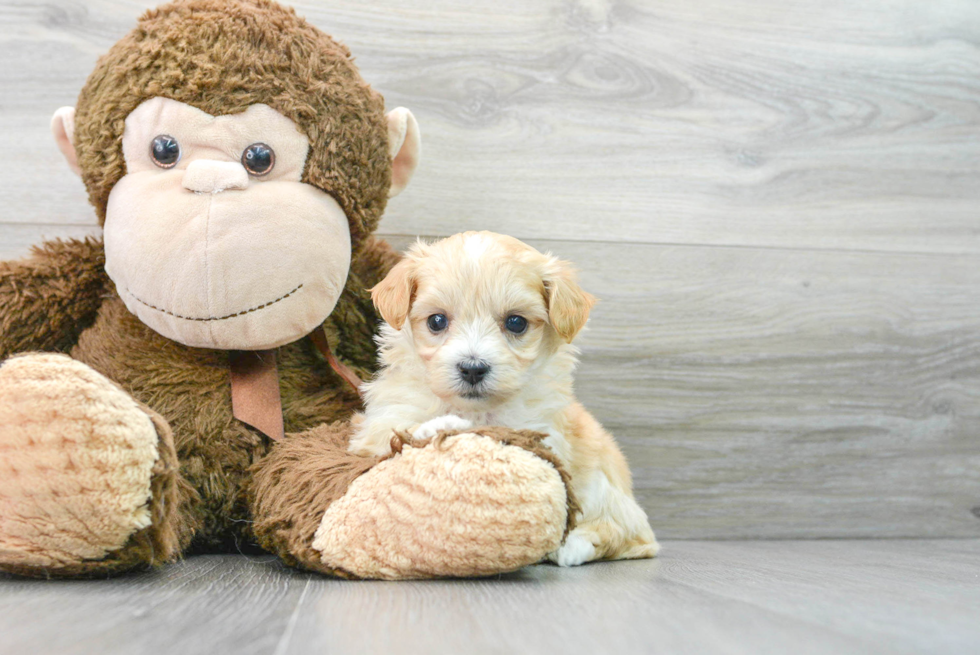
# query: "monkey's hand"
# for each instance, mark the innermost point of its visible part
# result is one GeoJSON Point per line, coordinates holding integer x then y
{"type": "Point", "coordinates": [87, 477]}
{"type": "Point", "coordinates": [475, 502]}
{"type": "Point", "coordinates": [47, 299]}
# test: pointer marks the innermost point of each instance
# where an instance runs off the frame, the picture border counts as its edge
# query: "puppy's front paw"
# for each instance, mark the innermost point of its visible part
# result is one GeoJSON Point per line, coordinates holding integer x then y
{"type": "Point", "coordinates": [434, 426]}
{"type": "Point", "coordinates": [577, 549]}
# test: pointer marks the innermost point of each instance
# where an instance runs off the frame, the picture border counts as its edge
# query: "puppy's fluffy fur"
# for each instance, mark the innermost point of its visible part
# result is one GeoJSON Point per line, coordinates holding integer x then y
{"type": "Point", "coordinates": [476, 366]}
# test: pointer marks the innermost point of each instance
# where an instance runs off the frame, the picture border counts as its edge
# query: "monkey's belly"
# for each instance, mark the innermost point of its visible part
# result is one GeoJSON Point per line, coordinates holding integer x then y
{"type": "Point", "coordinates": [191, 389]}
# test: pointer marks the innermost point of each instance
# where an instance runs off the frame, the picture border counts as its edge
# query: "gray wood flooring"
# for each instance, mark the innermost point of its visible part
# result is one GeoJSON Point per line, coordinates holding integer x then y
{"type": "Point", "coordinates": [834, 597]}
{"type": "Point", "coordinates": [777, 202]}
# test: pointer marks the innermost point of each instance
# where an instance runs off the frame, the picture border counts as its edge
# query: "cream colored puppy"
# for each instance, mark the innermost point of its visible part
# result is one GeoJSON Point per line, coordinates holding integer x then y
{"type": "Point", "coordinates": [479, 330]}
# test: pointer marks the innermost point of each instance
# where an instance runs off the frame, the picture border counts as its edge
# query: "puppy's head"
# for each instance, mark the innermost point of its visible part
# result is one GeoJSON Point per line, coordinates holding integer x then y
{"type": "Point", "coordinates": [483, 311]}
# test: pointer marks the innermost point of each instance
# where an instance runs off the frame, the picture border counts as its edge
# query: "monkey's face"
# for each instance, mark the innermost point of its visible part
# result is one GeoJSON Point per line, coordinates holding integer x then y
{"type": "Point", "coordinates": [212, 239]}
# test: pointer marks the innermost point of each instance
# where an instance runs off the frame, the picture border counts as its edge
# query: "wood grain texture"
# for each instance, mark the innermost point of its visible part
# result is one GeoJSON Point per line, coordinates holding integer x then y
{"type": "Point", "coordinates": [16, 239]}
{"type": "Point", "coordinates": [765, 393]}
{"type": "Point", "coordinates": [795, 123]}
{"type": "Point", "coordinates": [771, 393]}
{"type": "Point", "coordinates": [776, 201]}
{"type": "Point", "coordinates": [885, 596]}
{"type": "Point", "coordinates": [230, 604]}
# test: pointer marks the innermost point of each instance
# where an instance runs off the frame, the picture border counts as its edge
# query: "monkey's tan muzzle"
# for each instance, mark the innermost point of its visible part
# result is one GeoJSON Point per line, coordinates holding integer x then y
{"type": "Point", "coordinates": [210, 176]}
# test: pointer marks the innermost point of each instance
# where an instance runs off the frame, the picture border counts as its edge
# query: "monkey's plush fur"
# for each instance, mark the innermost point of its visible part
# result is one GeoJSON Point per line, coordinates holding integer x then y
{"type": "Point", "coordinates": [464, 504]}
{"type": "Point", "coordinates": [222, 57]}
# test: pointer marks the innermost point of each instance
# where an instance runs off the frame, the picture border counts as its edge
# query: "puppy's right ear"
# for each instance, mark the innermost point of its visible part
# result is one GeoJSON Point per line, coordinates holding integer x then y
{"type": "Point", "coordinates": [393, 295]}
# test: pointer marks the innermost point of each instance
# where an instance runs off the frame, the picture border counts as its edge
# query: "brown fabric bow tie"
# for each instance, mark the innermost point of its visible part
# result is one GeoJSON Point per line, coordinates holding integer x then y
{"type": "Point", "coordinates": [255, 398]}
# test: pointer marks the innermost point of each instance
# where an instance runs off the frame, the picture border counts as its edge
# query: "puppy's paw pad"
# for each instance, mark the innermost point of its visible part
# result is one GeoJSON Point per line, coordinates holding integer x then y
{"type": "Point", "coordinates": [575, 551]}
{"type": "Point", "coordinates": [434, 426]}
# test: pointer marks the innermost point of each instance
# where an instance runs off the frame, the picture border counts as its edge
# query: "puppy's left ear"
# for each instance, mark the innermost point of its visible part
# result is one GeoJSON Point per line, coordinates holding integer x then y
{"type": "Point", "coordinates": [568, 304]}
{"type": "Point", "coordinates": [393, 295]}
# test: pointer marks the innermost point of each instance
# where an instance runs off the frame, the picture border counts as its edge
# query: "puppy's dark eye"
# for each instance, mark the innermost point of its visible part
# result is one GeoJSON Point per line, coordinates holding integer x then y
{"type": "Point", "coordinates": [258, 159]}
{"type": "Point", "coordinates": [165, 151]}
{"type": "Point", "coordinates": [516, 324]}
{"type": "Point", "coordinates": [438, 322]}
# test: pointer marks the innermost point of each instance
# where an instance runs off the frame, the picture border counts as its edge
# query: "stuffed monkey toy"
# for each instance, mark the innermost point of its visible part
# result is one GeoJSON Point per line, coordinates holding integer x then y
{"type": "Point", "coordinates": [183, 384]}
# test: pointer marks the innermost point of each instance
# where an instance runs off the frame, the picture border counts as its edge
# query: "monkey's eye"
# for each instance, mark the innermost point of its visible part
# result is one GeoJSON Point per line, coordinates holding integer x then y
{"type": "Point", "coordinates": [165, 151]}
{"type": "Point", "coordinates": [516, 324]}
{"type": "Point", "coordinates": [258, 159]}
{"type": "Point", "coordinates": [437, 322]}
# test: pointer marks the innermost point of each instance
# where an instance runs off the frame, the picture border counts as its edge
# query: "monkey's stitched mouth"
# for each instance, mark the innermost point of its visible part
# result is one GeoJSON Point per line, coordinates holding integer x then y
{"type": "Point", "coordinates": [215, 318]}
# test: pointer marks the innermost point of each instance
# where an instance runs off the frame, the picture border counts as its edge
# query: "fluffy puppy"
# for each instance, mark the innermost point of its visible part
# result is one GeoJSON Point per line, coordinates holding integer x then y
{"type": "Point", "coordinates": [479, 330]}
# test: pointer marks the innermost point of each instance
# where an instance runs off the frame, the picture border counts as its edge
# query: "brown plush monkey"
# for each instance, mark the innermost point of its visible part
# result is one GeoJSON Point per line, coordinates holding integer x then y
{"type": "Point", "coordinates": [239, 165]}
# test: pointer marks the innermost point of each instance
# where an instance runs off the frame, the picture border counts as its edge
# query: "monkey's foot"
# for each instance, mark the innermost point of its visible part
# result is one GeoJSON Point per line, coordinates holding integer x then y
{"type": "Point", "coordinates": [77, 459]}
{"type": "Point", "coordinates": [477, 502]}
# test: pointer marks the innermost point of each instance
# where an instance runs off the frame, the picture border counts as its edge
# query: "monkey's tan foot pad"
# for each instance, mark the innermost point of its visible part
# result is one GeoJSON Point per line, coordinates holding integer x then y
{"type": "Point", "coordinates": [76, 456]}
{"type": "Point", "coordinates": [471, 504]}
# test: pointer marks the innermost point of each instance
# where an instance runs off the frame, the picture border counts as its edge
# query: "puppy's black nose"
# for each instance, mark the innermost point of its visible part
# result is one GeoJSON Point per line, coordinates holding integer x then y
{"type": "Point", "coordinates": [472, 372]}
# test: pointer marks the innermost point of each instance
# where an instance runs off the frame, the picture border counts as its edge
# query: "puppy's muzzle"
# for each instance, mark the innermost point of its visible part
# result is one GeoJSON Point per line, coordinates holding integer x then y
{"type": "Point", "coordinates": [473, 372]}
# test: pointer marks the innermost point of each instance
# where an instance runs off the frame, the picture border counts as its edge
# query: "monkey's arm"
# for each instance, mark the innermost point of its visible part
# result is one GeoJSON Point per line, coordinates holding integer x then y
{"type": "Point", "coordinates": [48, 298]}
{"type": "Point", "coordinates": [476, 503]}
{"type": "Point", "coordinates": [374, 261]}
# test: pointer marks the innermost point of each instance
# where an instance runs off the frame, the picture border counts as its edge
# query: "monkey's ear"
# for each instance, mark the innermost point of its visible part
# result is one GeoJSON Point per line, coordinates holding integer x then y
{"type": "Point", "coordinates": [568, 304]}
{"type": "Point", "coordinates": [404, 147]}
{"type": "Point", "coordinates": [393, 295]}
{"type": "Point", "coordinates": [63, 128]}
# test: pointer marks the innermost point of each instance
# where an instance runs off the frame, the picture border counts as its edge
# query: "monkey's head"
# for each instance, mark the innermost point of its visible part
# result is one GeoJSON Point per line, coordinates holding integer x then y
{"type": "Point", "coordinates": [236, 160]}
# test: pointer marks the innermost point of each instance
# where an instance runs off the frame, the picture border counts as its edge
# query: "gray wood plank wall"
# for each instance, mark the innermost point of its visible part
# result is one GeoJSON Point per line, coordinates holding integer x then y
{"type": "Point", "coordinates": [778, 202]}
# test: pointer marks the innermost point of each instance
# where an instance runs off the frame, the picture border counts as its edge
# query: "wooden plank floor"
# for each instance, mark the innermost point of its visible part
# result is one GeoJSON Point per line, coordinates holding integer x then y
{"type": "Point", "coordinates": [849, 596]}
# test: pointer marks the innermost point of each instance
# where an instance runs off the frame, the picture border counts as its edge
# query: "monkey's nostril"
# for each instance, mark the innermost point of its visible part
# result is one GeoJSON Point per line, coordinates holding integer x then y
{"type": "Point", "coordinates": [472, 372]}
